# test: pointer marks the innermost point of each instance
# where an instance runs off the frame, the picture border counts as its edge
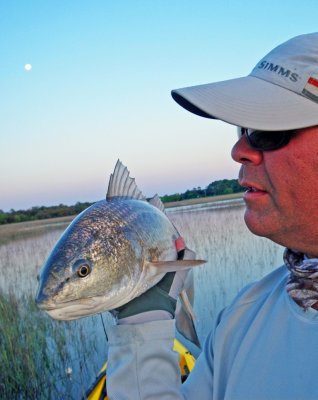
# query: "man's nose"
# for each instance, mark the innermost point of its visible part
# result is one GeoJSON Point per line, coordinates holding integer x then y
{"type": "Point", "coordinates": [243, 153]}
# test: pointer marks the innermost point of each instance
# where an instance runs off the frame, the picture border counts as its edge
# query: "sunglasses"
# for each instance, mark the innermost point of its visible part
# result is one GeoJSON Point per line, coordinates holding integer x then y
{"type": "Point", "coordinates": [265, 140]}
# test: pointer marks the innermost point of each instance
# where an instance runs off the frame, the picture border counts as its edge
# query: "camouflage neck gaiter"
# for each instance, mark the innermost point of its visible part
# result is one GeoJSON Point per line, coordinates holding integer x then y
{"type": "Point", "coordinates": [302, 284]}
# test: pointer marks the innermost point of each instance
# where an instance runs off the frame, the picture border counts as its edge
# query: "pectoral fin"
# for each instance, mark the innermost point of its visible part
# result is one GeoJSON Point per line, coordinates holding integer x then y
{"type": "Point", "coordinates": [162, 267]}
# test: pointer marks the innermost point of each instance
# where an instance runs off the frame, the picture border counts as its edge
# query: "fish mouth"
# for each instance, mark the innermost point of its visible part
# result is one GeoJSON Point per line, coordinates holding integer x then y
{"type": "Point", "coordinates": [74, 309]}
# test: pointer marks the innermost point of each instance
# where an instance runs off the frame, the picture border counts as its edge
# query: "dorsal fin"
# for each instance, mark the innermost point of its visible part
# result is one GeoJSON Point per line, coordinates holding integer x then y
{"type": "Point", "coordinates": [156, 202]}
{"type": "Point", "coordinates": [122, 185]}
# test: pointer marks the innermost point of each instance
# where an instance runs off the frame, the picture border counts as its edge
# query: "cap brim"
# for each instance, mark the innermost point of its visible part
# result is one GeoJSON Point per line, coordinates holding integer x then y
{"type": "Point", "coordinates": [249, 102]}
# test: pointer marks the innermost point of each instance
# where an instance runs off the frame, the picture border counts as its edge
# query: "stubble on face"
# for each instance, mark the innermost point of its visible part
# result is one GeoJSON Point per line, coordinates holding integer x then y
{"type": "Point", "coordinates": [287, 212]}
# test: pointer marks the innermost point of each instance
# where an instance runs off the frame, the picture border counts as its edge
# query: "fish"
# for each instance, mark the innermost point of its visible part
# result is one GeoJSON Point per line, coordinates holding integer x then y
{"type": "Point", "coordinates": [111, 253]}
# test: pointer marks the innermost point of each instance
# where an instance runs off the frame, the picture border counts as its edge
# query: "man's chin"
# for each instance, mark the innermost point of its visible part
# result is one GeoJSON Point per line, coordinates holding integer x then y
{"type": "Point", "coordinates": [256, 225]}
{"type": "Point", "coordinates": [265, 226]}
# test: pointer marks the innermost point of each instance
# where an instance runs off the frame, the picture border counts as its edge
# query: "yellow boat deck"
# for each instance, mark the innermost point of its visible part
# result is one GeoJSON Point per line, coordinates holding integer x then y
{"type": "Point", "coordinates": [186, 362]}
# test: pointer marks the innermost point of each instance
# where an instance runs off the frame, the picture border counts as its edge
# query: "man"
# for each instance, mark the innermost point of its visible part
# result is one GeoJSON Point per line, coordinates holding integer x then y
{"type": "Point", "coordinates": [264, 345]}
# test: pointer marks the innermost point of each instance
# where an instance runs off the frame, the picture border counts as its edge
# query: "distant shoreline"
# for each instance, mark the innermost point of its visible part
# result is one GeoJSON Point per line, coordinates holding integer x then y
{"type": "Point", "coordinates": [202, 200]}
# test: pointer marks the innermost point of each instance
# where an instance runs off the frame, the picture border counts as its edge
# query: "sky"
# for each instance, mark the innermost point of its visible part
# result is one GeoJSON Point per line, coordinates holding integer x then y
{"type": "Point", "coordinates": [99, 90]}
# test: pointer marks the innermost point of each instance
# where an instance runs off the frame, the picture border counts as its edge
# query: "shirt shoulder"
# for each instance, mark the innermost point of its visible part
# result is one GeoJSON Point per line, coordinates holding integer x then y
{"type": "Point", "coordinates": [256, 291]}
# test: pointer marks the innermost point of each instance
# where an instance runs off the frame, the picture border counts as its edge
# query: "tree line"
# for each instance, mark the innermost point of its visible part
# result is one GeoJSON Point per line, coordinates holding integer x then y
{"type": "Point", "coordinates": [225, 186]}
{"type": "Point", "coordinates": [216, 188]}
{"type": "Point", "coordinates": [42, 212]}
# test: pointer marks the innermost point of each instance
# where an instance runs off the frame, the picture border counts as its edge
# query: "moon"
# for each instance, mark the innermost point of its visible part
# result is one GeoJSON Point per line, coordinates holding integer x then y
{"type": "Point", "coordinates": [28, 67]}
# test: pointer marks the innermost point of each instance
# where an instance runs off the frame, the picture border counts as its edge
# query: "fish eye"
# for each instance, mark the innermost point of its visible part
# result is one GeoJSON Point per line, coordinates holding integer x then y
{"type": "Point", "coordinates": [83, 270]}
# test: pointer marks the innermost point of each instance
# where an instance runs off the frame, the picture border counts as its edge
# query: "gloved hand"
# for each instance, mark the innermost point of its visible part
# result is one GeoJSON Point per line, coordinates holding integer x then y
{"type": "Point", "coordinates": [159, 302]}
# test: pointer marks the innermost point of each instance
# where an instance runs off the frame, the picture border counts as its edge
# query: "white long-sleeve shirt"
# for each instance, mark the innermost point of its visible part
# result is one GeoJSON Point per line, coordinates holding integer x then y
{"type": "Point", "coordinates": [263, 347]}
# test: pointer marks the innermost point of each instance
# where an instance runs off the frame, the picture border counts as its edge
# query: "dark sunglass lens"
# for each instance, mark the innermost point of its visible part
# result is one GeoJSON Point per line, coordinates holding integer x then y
{"type": "Point", "coordinates": [261, 140]}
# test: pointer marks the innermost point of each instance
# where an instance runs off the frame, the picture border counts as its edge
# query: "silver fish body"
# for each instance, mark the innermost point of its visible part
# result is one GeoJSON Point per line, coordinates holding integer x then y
{"type": "Point", "coordinates": [105, 258]}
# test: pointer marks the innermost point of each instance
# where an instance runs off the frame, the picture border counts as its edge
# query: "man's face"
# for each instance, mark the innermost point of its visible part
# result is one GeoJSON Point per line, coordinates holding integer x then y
{"type": "Point", "coordinates": [282, 203]}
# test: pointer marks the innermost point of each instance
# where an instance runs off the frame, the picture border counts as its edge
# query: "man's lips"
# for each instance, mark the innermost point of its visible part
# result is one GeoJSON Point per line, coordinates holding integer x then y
{"type": "Point", "coordinates": [252, 189]}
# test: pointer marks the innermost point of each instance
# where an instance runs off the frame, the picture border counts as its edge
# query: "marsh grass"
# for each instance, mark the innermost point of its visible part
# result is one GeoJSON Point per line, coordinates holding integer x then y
{"type": "Point", "coordinates": [23, 230]}
{"type": "Point", "coordinates": [21, 259]}
{"type": "Point", "coordinates": [27, 368]}
{"type": "Point", "coordinates": [42, 358]}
